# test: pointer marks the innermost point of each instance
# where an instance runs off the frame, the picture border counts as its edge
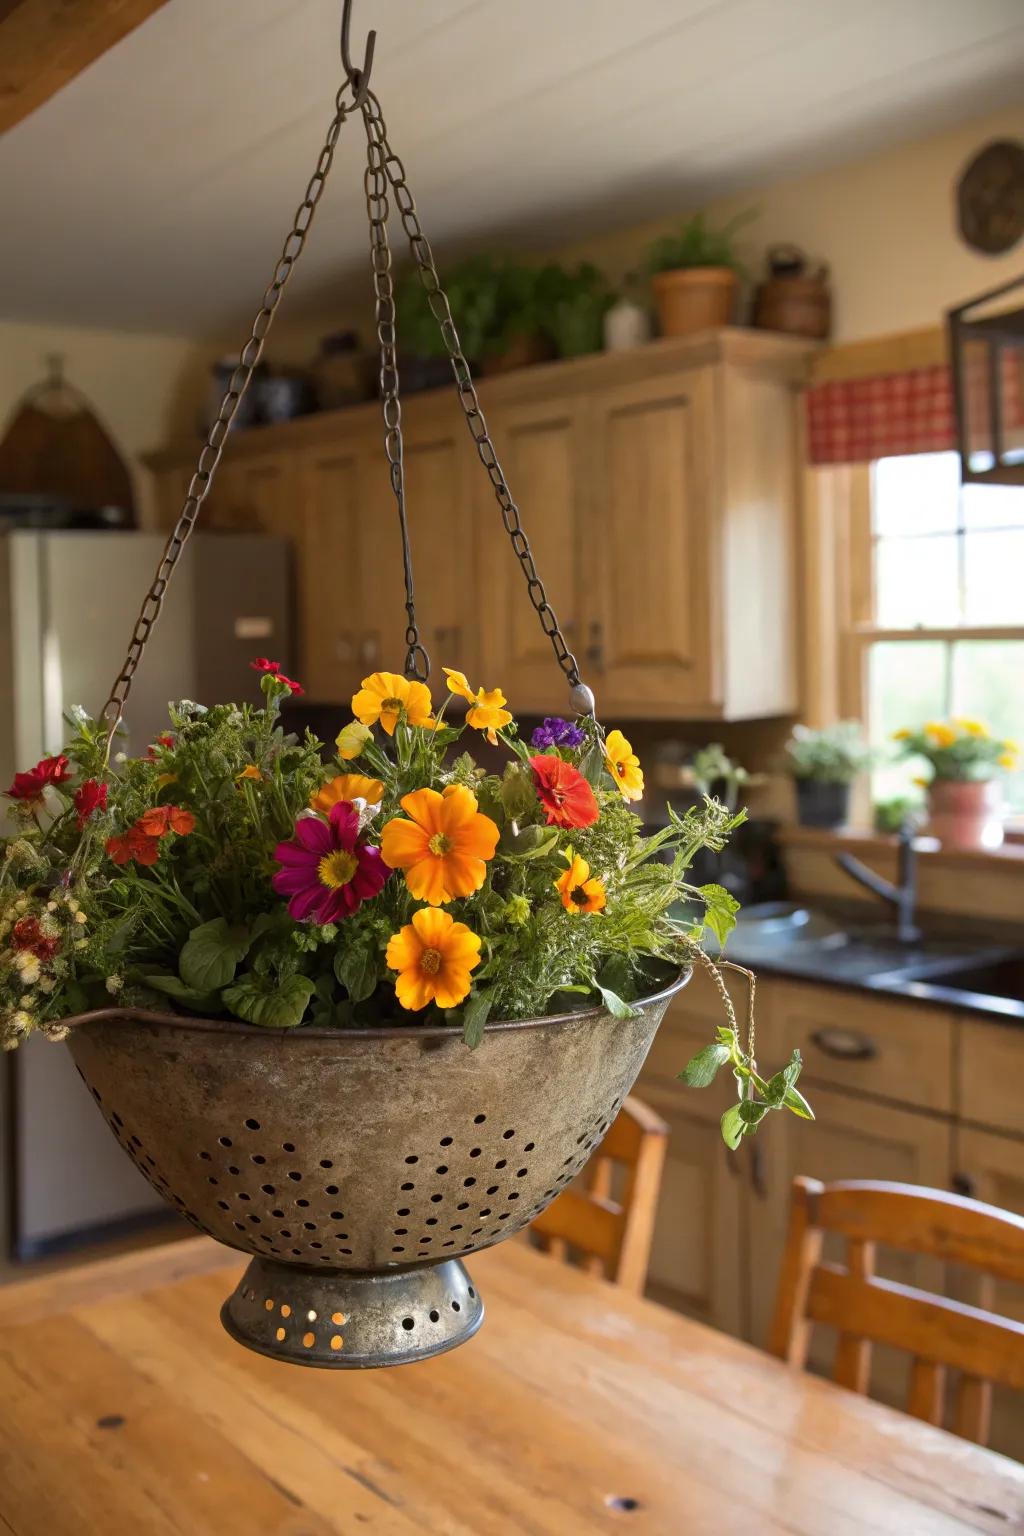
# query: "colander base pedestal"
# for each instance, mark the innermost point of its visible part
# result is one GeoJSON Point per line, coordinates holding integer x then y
{"type": "Point", "coordinates": [343, 1321]}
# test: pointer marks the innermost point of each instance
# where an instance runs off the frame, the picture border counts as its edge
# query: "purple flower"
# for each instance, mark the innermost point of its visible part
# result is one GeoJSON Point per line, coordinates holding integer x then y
{"type": "Point", "coordinates": [557, 733]}
{"type": "Point", "coordinates": [326, 872]}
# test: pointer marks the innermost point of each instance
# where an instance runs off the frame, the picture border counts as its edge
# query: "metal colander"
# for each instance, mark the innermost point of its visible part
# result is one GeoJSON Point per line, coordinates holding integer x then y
{"type": "Point", "coordinates": [359, 1167]}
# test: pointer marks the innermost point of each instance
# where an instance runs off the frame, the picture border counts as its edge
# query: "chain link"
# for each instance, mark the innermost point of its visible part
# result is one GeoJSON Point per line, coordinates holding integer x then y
{"type": "Point", "coordinates": [209, 457]}
{"type": "Point", "coordinates": [375, 182]}
{"type": "Point", "coordinates": [468, 398]}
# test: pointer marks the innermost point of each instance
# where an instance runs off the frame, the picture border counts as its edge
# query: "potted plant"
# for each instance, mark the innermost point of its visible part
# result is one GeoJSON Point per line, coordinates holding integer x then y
{"type": "Point", "coordinates": [695, 275]}
{"type": "Point", "coordinates": [823, 764]}
{"type": "Point", "coordinates": [573, 305]}
{"type": "Point", "coordinates": [358, 1020]}
{"type": "Point", "coordinates": [499, 311]}
{"type": "Point", "coordinates": [965, 802]}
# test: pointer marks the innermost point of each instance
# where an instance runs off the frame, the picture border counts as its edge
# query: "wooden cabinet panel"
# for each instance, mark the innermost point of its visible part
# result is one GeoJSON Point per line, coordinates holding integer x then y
{"type": "Point", "coordinates": [652, 534]}
{"type": "Point", "coordinates": [989, 1075]}
{"type": "Point", "coordinates": [541, 448]}
{"type": "Point", "coordinates": [442, 535]}
{"type": "Point", "coordinates": [878, 1046]}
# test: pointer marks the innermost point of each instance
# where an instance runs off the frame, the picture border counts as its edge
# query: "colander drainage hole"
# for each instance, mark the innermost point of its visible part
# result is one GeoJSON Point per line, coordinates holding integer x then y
{"type": "Point", "coordinates": [435, 1316]}
{"type": "Point", "coordinates": [225, 1141]}
{"type": "Point", "coordinates": [456, 1307]}
{"type": "Point", "coordinates": [268, 1189]}
{"type": "Point", "coordinates": [287, 1146]}
{"type": "Point", "coordinates": [479, 1119]}
{"type": "Point", "coordinates": [472, 1294]}
{"type": "Point", "coordinates": [408, 1323]}
{"type": "Point", "coordinates": [252, 1125]}
{"type": "Point", "coordinates": [446, 1141]}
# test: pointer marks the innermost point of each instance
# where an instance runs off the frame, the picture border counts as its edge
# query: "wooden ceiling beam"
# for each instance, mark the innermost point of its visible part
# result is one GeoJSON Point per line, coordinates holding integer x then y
{"type": "Point", "coordinates": [44, 44]}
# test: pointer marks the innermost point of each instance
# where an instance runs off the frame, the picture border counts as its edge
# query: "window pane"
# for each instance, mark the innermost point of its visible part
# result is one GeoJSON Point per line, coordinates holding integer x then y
{"type": "Point", "coordinates": [988, 685]}
{"type": "Point", "coordinates": [906, 686]}
{"type": "Point", "coordinates": [917, 493]}
{"type": "Point", "coordinates": [992, 506]}
{"type": "Point", "coordinates": [917, 581]}
{"type": "Point", "coordinates": [994, 577]}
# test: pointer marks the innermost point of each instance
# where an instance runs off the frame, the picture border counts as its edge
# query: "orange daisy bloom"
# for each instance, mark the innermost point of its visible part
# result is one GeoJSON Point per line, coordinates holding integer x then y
{"type": "Point", "coordinates": [624, 766]}
{"type": "Point", "coordinates": [444, 847]}
{"type": "Point", "coordinates": [433, 956]}
{"type": "Point", "coordinates": [578, 890]}
{"type": "Point", "coordinates": [347, 786]}
{"type": "Point", "coordinates": [487, 710]}
{"type": "Point", "coordinates": [384, 696]}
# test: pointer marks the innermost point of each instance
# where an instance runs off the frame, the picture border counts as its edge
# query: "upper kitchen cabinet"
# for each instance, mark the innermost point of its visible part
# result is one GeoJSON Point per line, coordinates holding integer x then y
{"type": "Point", "coordinates": [657, 488]}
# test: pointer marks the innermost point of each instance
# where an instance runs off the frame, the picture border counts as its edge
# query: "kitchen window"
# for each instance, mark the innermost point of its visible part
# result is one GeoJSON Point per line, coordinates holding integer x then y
{"type": "Point", "coordinates": [936, 607]}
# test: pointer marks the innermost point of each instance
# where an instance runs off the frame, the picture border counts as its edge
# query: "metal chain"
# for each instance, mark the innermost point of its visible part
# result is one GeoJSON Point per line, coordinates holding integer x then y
{"type": "Point", "coordinates": [209, 457]}
{"type": "Point", "coordinates": [469, 400]}
{"type": "Point", "coordinates": [375, 183]}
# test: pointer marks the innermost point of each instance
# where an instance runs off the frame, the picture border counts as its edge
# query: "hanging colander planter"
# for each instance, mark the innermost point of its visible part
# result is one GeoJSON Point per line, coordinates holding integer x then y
{"type": "Point", "coordinates": [302, 1108]}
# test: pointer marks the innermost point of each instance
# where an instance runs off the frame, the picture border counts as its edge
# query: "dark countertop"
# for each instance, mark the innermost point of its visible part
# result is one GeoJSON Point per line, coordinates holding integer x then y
{"type": "Point", "coordinates": [975, 972]}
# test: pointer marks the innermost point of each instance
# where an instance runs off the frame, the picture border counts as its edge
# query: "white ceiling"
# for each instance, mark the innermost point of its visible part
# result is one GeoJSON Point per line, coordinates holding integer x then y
{"type": "Point", "coordinates": [154, 191]}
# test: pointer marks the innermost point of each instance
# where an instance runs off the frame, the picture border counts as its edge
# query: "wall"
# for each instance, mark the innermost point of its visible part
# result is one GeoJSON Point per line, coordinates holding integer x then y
{"type": "Point", "coordinates": [145, 389]}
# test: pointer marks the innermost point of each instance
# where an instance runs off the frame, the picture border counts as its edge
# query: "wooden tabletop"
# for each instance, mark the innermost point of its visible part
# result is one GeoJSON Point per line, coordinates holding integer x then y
{"type": "Point", "coordinates": [125, 1409]}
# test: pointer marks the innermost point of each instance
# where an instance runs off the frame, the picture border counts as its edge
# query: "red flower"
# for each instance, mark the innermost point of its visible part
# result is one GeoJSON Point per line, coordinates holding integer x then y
{"type": "Point", "coordinates": [89, 797]}
{"type": "Point", "coordinates": [27, 934]}
{"type": "Point", "coordinates": [567, 798]}
{"type": "Point", "coordinates": [165, 740]}
{"type": "Point", "coordinates": [262, 664]}
{"type": "Point", "coordinates": [30, 786]}
{"type": "Point", "coordinates": [133, 844]}
{"type": "Point", "coordinates": [161, 819]}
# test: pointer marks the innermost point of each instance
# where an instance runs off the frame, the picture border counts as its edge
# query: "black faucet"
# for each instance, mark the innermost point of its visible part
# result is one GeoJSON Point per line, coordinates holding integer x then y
{"type": "Point", "coordinates": [902, 895]}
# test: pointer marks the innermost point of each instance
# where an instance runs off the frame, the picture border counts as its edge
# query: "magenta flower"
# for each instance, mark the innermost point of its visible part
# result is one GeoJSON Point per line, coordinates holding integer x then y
{"type": "Point", "coordinates": [326, 872]}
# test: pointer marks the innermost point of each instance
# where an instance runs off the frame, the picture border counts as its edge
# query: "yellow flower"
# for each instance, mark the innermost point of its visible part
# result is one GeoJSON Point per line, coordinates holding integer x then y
{"type": "Point", "coordinates": [351, 740]}
{"type": "Point", "coordinates": [487, 710]}
{"type": "Point", "coordinates": [433, 956]}
{"type": "Point", "coordinates": [972, 727]}
{"type": "Point", "coordinates": [384, 695]}
{"type": "Point", "coordinates": [445, 846]}
{"type": "Point", "coordinates": [250, 771]}
{"type": "Point", "coordinates": [1008, 757]}
{"type": "Point", "coordinates": [347, 786]}
{"type": "Point", "coordinates": [940, 734]}
{"type": "Point", "coordinates": [624, 766]}
{"type": "Point", "coordinates": [902, 735]}
{"type": "Point", "coordinates": [580, 892]}
{"type": "Point", "coordinates": [166, 778]}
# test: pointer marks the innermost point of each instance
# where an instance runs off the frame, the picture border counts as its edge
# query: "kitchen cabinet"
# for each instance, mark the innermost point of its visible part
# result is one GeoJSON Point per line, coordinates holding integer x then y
{"type": "Point", "coordinates": [657, 488]}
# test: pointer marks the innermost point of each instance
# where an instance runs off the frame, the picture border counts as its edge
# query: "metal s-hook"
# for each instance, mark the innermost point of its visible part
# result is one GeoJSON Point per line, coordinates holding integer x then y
{"type": "Point", "coordinates": [359, 79]}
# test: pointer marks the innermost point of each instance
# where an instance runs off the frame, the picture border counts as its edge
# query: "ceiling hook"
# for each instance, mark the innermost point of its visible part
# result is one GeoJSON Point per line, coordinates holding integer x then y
{"type": "Point", "coordinates": [359, 79]}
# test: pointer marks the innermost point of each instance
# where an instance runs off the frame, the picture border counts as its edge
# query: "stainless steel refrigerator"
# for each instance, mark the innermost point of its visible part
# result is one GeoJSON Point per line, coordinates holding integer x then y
{"type": "Point", "coordinates": [68, 601]}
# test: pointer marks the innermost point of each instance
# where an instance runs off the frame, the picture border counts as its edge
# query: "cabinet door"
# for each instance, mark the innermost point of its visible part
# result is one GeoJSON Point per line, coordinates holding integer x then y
{"type": "Point", "coordinates": [992, 1169]}
{"type": "Point", "coordinates": [850, 1138]}
{"type": "Point", "coordinates": [541, 450]}
{"type": "Point", "coordinates": [654, 547]}
{"type": "Point", "coordinates": [442, 535]}
{"type": "Point", "coordinates": [255, 494]}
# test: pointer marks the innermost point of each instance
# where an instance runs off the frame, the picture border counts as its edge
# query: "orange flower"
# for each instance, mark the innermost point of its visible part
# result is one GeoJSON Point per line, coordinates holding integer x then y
{"type": "Point", "coordinates": [487, 710]}
{"type": "Point", "coordinates": [433, 956]}
{"type": "Point", "coordinates": [161, 819]}
{"type": "Point", "coordinates": [250, 771]}
{"type": "Point", "coordinates": [624, 766]}
{"type": "Point", "coordinates": [444, 847]}
{"type": "Point", "coordinates": [579, 892]}
{"type": "Point", "coordinates": [384, 696]}
{"type": "Point", "coordinates": [347, 786]}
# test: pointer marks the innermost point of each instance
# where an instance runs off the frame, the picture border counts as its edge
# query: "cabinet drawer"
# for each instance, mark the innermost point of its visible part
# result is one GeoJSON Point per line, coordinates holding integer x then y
{"type": "Point", "coordinates": [873, 1045]}
{"type": "Point", "coordinates": [990, 1059]}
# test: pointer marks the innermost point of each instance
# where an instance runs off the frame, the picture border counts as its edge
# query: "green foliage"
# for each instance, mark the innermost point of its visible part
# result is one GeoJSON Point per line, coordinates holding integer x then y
{"type": "Point", "coordinates": [757, 1097]}
{"type": "Point", "coordinates": [696, 244]}
{"type": "Point", "coordinates": [964, 750]}
{"type": "Point", "coordinates": [834, 755]}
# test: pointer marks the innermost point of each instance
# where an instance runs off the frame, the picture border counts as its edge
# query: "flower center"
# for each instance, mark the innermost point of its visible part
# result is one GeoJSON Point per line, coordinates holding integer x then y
{"type": "Point", "coordinates": [439, 845]}
{"type": "Point", "coordinates": [391, 707]}
{"type": "Point", "coordinates": [336, 869]}
{"type": "Point", "coordinates": [579, 897]}
{"type": "Point", "coordinates": [430, 961]}
{"type": "Point", "coordinates": [620, 769]}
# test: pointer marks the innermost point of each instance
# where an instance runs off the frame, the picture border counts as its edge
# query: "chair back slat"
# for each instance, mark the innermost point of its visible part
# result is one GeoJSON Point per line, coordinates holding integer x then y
{"type": "Point", "coordinates": [943, 1335]}
{"type": "Point", "coordinates": [607, 1220]}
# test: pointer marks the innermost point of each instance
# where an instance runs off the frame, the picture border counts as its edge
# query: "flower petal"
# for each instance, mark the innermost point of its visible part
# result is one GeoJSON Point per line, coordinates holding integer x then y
{"type": "Point", "coordinates": [314, 834]}
{"type": "Point", "coordinates": [425, 806]}
{"type": "Point", "coordinates": [403, 843]}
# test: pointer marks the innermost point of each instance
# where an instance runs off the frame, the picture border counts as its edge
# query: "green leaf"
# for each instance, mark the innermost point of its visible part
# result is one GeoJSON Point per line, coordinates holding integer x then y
{"type": "Point", "coordinates": [592, 764]}
{"type": "Point", "coordinates": [796, 1102]}
{"type": "Point", "coordinates": [701, 1070]}
{"type": "Point", "coordinates": [211, 953]}
{"type": "Point", "coordinates": [173, 986]}
{"type": "Point", "coordinates": [357, 969]}
{"type": "Point", "coordinates": [282, 1007]}
{"type": "Point", "coordinates": [474, 1018]}
{"type": "Point", "coordinates": [752, 1113]}
{"type": "Point", "coordinates": [530, 843]}
{"type": "Point", "coordinates": [722, 907]}
{"type": "Point", "coordinates": [617, 1006]}
{"type": "Point", "coordinates": [517, 794]}
{"type": "Point", "coordinates": [732, 1127]}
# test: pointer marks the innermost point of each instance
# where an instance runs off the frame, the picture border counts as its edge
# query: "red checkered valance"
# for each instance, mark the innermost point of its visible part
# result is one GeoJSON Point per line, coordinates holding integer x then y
{"type": "Point", "coordinates": [852, 420]}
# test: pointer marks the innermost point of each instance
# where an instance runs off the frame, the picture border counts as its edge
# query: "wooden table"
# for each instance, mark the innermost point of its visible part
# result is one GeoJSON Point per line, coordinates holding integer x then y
{"type": "Point", "coordinates": [125, 1409]}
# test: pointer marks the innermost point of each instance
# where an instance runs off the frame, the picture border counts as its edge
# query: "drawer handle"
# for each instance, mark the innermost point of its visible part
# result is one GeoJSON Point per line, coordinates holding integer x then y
{"type": "Point", "coordinates": [845, 1044]}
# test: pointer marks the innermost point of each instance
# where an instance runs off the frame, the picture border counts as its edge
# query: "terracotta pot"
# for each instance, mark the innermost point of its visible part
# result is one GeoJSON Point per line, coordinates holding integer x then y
{"type": "Point", "coordinates": [965, 813]}
{"type": "Point", "coordinates": [694, 299]}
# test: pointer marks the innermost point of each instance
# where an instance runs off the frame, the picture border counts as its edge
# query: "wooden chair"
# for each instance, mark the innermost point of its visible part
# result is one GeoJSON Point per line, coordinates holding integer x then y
{"type": "Point", "coordinates": [940, 1333]}
{"type": "Point", "coordinates": [612, 1234]}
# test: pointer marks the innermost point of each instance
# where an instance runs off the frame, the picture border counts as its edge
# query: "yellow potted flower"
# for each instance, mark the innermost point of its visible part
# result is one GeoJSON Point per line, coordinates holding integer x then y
{"type": "Point", "coordinates": [965, 800]}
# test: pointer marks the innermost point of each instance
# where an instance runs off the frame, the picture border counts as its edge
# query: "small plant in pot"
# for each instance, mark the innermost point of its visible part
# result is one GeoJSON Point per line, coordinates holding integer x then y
{"type": "Point", "coordinates": [695, 275]}
{"type": "Point", "coordinates": [823, 764]}
{"type": "Point", "coordinates": [965, 800]}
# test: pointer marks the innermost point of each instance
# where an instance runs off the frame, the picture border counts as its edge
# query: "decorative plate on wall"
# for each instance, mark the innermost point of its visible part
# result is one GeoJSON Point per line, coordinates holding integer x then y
{"type": "Point", "coordinates": [990, 198]}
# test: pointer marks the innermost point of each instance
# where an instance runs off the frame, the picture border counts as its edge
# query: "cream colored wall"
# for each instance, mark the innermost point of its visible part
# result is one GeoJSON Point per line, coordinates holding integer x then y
{"type": "Point", "coordinates": [145, 389]}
